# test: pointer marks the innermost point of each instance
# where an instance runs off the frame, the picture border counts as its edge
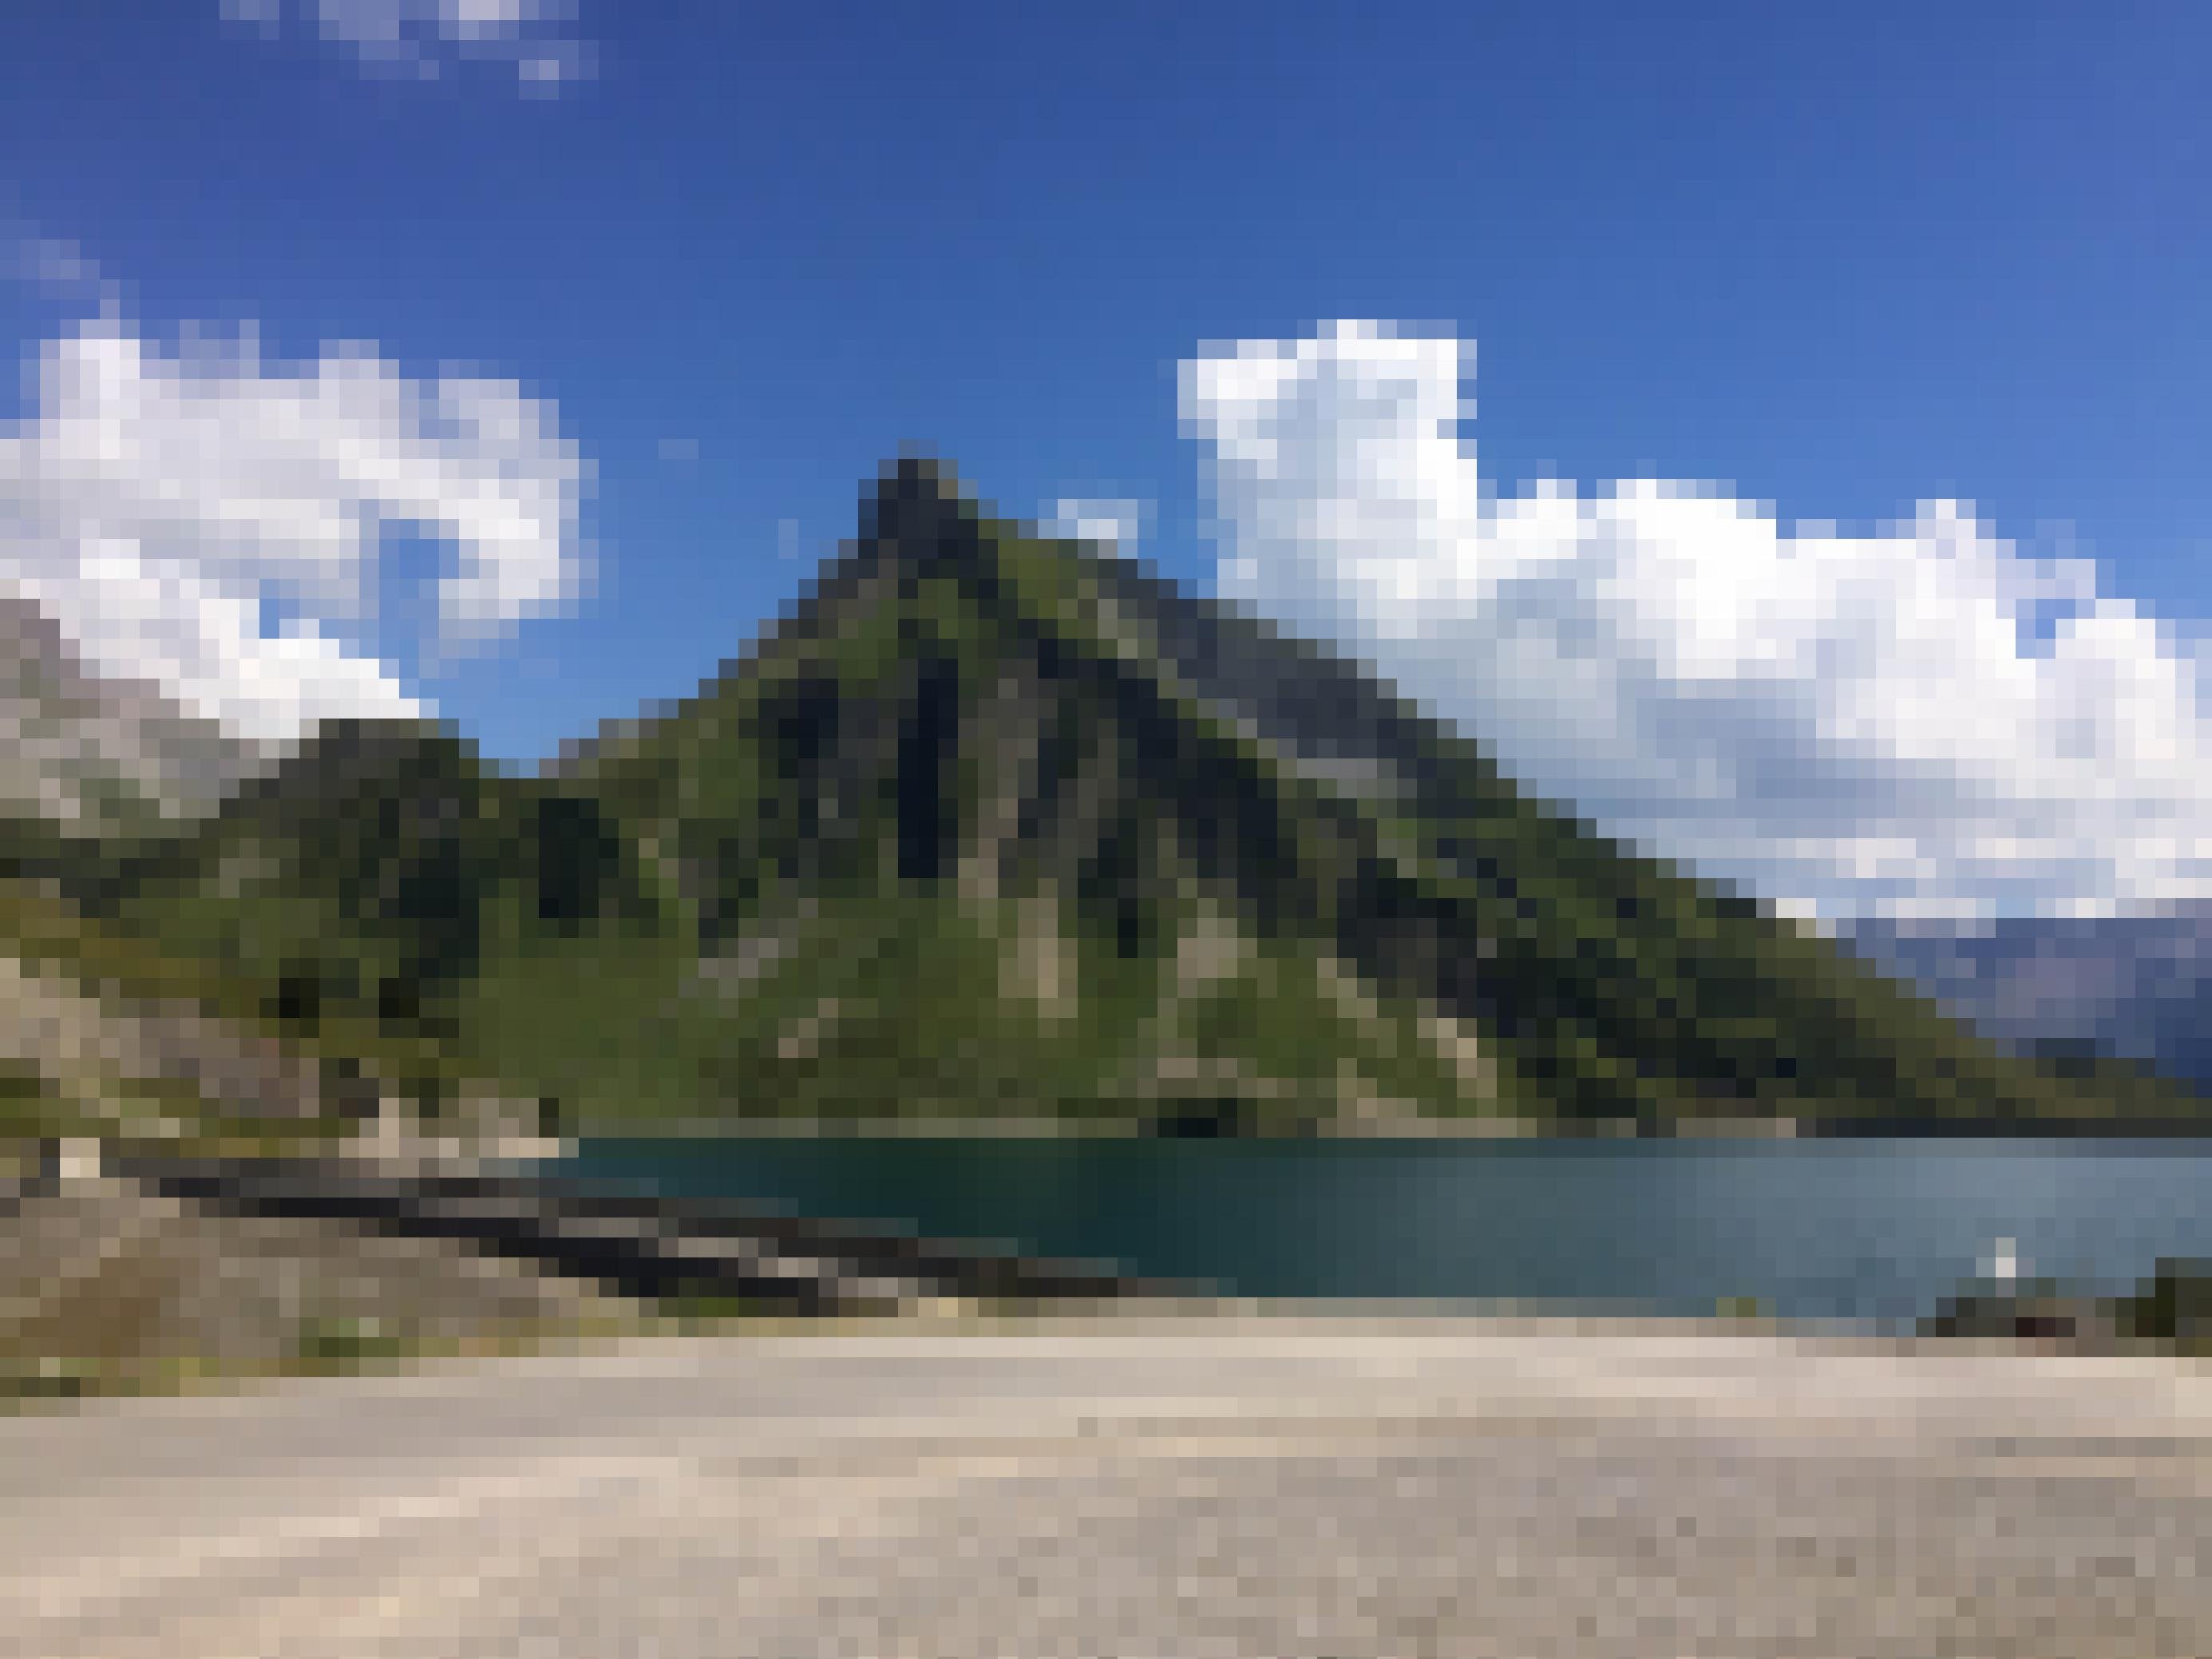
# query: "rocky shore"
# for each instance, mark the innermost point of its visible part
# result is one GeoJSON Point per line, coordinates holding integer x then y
{"type": "Point", "coordinates": [2170, 1311]}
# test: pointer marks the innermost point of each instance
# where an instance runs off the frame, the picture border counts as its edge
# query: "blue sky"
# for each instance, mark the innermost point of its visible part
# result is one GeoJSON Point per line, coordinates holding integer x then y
{"type": "Point", "coordinates": [732, 258]}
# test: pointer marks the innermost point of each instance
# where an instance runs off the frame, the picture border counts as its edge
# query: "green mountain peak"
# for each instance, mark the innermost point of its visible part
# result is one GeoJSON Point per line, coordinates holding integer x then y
{"type": "Point", "coordinates": [991, 826]}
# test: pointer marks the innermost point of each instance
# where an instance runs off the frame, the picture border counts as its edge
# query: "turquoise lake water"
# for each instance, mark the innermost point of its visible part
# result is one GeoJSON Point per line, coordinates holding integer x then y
{"type": "Point", "coordinates": [1864, 1232]}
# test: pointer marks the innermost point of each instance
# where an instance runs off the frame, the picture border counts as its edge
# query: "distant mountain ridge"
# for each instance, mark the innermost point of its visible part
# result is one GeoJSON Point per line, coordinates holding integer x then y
{"type": "Point", "coordinates": [2129, 987]}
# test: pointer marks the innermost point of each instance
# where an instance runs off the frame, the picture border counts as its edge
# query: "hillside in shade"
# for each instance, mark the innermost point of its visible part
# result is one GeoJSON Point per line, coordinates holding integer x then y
{"type": "Point", "coordinates": [994, 826]}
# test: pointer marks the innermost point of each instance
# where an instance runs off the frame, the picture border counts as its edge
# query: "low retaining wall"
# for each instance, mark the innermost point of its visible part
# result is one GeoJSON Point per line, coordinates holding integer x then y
{"type": "Point", "coordinates": [642, 1246]}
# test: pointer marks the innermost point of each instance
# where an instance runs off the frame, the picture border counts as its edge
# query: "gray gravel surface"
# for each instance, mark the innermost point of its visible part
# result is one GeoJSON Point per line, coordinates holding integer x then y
{"type": "Point", "coordinates": [1127, 1485]}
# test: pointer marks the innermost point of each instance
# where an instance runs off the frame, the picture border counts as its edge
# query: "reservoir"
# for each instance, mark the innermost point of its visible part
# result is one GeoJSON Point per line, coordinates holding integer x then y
{"type": "Point", "coordinates": [1863, 1233]}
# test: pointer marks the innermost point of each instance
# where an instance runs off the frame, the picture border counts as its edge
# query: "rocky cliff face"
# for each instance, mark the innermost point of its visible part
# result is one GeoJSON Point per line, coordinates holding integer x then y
{"type": "Point", "coordinates": [95, 754]}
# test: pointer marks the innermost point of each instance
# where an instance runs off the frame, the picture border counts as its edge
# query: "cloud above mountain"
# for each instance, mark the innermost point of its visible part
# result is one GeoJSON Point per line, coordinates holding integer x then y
{"type": "Point", "coordinates": [1921, 721]}
{"type": "Point", "coordinates": [421, 37]}
{"type": "Point", "coordinates": [1114, 522]}
{"type": "Point", "coordinates": [193, 516]}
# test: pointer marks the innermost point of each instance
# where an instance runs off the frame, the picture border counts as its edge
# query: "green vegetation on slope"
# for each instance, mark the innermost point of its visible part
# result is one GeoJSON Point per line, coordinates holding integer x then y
{"type": "Point", "coordinates": [105, 1037]}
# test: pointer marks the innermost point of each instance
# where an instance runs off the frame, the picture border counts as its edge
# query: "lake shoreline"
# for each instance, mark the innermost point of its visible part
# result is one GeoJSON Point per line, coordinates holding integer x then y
{"type": "Point", "coordinates": [505, 1218]}
{"type": "Point", "coordinates": [911, 1127]}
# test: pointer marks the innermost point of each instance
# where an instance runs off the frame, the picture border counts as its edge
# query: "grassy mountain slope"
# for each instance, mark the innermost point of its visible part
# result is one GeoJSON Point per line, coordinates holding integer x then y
{"type": "Point", "coordinates": [344, 902]}
{"type": "Point", "coordinates": [990, 825]}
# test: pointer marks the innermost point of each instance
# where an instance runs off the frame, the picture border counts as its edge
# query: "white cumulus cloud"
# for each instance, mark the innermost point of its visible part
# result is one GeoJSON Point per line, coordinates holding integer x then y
{"type": "Point", "coordinates": [420, 37]}
{"type": "Point", "coordinates": [1844, 726]}
{"type": "Point", "coordinates": [1116, 523]}
{"type": "Point", "coordinates": [196, 518]}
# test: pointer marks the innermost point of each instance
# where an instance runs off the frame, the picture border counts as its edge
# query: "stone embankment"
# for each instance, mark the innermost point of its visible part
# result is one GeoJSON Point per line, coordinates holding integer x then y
{"type": "Point", "coordinates": [119, 1269]}
{"type": "Point", "coordinates": [636, 1245]}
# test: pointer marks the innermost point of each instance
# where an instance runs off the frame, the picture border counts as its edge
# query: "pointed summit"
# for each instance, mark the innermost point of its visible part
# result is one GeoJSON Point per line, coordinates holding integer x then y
{"type": "Point", "coordinates": [920, 517]}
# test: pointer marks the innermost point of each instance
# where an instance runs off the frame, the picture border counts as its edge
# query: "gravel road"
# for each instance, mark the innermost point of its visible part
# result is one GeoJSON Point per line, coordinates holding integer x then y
{"type": "Point", "coordinates": [1137, 1486]}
